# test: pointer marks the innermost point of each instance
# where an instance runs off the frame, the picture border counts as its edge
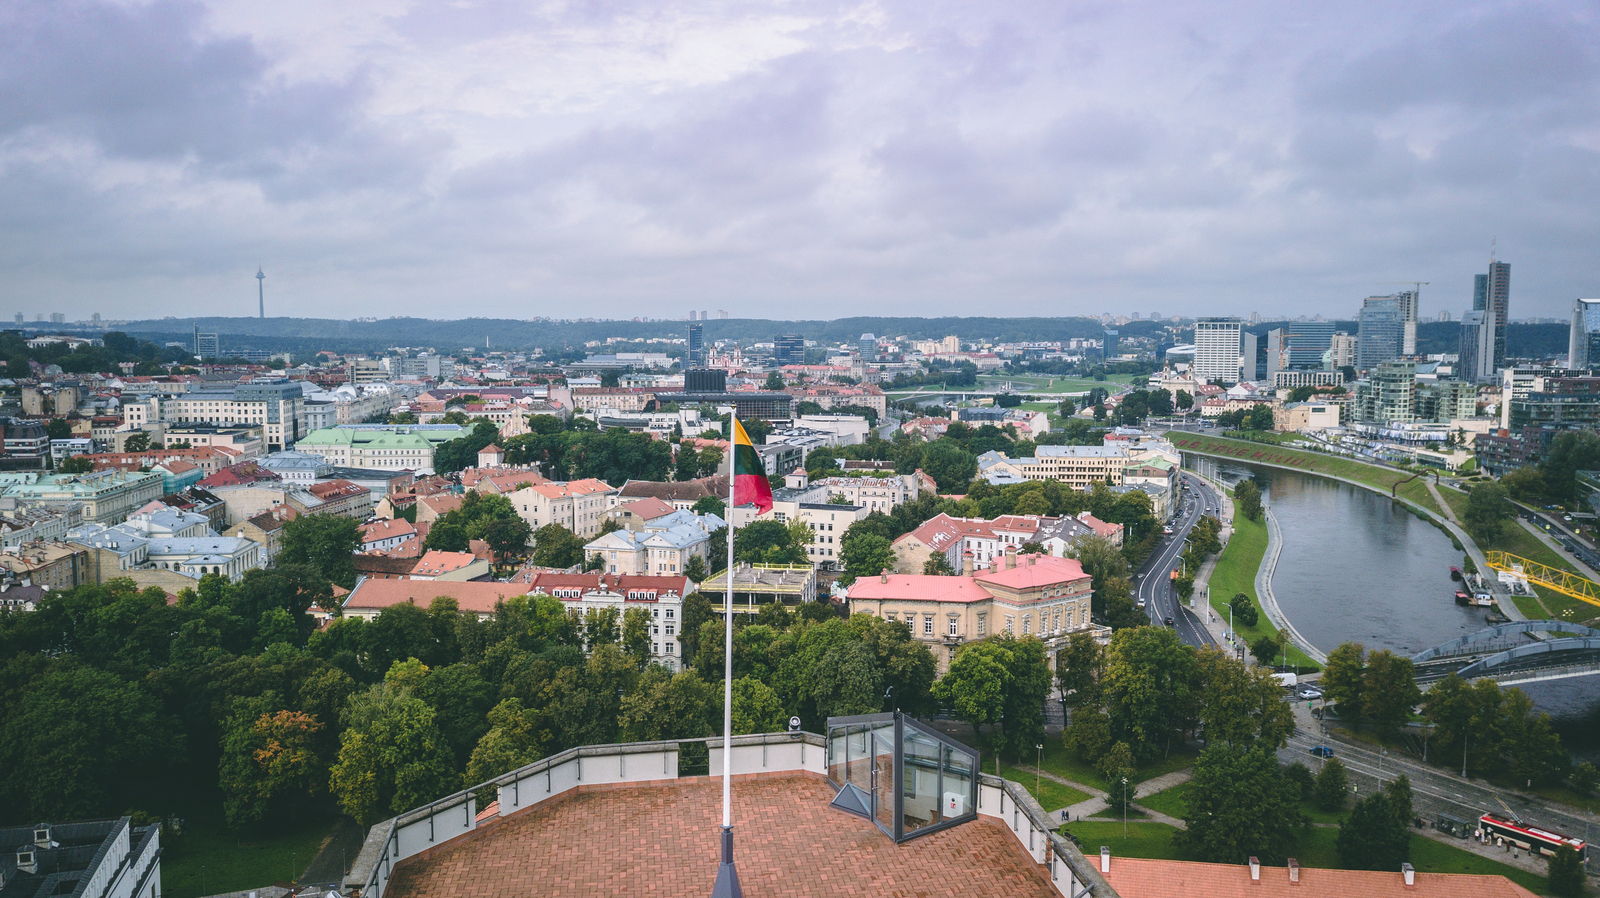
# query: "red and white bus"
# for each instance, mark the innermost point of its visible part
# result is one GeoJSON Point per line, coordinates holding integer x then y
{"type": "Point", "coordinates": [1529, 838]}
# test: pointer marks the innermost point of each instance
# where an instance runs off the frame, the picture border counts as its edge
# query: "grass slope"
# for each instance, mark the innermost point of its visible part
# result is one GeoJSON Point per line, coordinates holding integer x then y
{"type": "Point", "coordinates": [1310, 462]}
{"type": "Point", "coordinates": [1235, 572]}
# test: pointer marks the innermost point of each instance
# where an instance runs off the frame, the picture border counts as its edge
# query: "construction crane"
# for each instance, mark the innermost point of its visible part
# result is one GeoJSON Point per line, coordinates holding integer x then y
{"type": "Point", "coordinates": [1551, 578]}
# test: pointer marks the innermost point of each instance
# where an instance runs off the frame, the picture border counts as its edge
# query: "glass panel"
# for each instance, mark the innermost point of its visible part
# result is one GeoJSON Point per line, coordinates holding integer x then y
{"type": "Point", "coordinates": [921, 780]}
{"type": "Point", "coordinates": [836, 755]}
{"type": "Point", "coordinates": [883, 776]}
{"type": "Point", "coordinates": [858, 770]}
{"type": "Point", "coordinates": [959, 792]}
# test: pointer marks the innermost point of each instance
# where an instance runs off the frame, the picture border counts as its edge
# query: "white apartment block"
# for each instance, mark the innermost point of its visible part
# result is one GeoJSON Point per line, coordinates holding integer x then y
{"type": "Point", "coordinates": [1216, 349]}
{"type": "Point", "coordinates": [578, 505]}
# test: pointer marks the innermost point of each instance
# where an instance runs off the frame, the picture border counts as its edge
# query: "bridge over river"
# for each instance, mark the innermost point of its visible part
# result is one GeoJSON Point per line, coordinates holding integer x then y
{"type": "Point", "coordinates": [1514, 654]}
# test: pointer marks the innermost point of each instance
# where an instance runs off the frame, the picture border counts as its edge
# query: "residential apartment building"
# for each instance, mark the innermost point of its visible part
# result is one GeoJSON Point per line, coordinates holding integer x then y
{"type": "Point", "coordinates": [1028, 595]}
{"type": "Point", "coordinates": [969, 544]}
{"type": "Point", "coordinates": [104, 496]}
{"type": "Point", "coordinates": [1080, 467]}
{"type": "Point", "coordinates": [275, 406]}
{"type": "Point", "coordinates": [662, 596]}
{"type": "Point", "coordinates": [20, 524]}
{"type": "Point", "coordinates": [661, 546]}
{"type": "Point", "coordinates": [577, 505]}
{"type": "Point", "coordinates": [388, 447]}
{"type": "Point", "coordinates": [1217, 350]}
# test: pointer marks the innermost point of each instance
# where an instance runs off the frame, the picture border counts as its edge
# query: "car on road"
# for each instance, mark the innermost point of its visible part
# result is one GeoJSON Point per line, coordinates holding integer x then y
{"type": "Point", "coordinates": [1308, 692]}
{"type": "Point", "coordinates": [1322, 751]}
{"type": "Point", "coordinates": [1168, 621]}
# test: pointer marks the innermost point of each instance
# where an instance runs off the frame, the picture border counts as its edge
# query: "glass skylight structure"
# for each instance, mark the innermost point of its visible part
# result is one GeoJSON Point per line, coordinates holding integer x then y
{"type": "Point", "coordinates": [906, 778]}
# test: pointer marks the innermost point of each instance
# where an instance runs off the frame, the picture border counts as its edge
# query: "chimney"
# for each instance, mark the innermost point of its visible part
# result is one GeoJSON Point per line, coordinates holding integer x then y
{"type": "Point", "coordinates": [1105, 859]}
{"type": "Point", "coordinates": [1294, 871]}
{"type": "Point", "coordinates": [884, 576]}
{"type": "Point", "coordinates": [1410, 873]}
{"type": "Point", "coordinates": [1255, 870]}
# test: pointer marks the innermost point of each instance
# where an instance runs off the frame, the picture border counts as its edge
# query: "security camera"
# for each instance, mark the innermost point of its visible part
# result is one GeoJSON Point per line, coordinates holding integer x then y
{"type": "Point", "coordinates": [794, 726]}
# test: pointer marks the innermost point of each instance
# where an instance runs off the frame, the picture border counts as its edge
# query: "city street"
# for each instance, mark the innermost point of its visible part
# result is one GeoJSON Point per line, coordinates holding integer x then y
{"type": "Point", "coordinates": [1153, 585]}
{"type": "Point", "coordinates": [1435, 790]}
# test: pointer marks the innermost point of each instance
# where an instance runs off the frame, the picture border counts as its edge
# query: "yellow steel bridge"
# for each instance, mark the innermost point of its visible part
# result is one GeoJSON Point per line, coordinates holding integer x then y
{"type": "Point", "coordinates": [1552, 578]}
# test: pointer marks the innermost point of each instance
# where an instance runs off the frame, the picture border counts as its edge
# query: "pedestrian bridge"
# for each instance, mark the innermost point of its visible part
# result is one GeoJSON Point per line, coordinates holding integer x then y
{"type": "Point", "coordinates": [1503, 654]}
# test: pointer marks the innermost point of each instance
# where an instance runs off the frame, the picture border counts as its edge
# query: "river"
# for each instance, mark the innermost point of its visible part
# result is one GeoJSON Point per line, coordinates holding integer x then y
{"type": "Point", "coordinates": [1356, 567]}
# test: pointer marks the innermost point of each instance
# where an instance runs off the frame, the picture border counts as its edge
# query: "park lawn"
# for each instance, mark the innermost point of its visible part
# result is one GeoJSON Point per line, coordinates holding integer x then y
{"type": "Point", "coordinates": [1167, 801]}
{"type": "Point", "coordinates": [233, 861]}
{"type": "Point", "coordinates": [1516, 539]}
{"type": "Point", "coordinates": [1152, 840]}
{"type": "Point", "coordinates": [1430, 856]}
{"type": "Point", "coordinates": [1235, 572]}
{"type": "Point", "coordinates": [1456, 499]}
{"type": "Point", "coordinates": [1305, 460]}
{"type": "Point", "coordinates": [1062, 763]}
{"type": "Point", "coordinates": [1051, 795]}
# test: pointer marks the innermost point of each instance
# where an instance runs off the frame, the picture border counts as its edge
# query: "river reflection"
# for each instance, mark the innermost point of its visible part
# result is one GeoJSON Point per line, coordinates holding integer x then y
{"type": "Point", "coordinates": [1357, 567]}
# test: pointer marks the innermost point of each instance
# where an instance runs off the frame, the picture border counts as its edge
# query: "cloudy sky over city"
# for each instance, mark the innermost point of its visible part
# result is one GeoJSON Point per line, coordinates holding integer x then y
{"type": "Point", "coordinates": [792, 159]}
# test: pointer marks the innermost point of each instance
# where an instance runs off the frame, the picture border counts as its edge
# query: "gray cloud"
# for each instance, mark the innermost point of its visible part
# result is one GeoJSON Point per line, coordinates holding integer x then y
{"type": "Point", "coordinates": [816, 158]}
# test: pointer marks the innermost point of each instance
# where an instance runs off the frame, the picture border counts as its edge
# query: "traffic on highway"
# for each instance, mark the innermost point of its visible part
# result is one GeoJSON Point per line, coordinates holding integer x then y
{"type": "Point", "coordinates": [1153, 590]}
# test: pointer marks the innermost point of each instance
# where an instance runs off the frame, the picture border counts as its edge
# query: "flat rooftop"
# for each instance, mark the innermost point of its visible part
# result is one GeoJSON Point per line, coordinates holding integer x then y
{"type": "Point", "coordinates": [663, 839]}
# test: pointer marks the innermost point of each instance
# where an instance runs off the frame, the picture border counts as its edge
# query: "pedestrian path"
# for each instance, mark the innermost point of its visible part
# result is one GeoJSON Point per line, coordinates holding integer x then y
{"type": "Point", "coordinates": [1098, 801]}
{"type": "Point", "coordinates": [1443, 505]}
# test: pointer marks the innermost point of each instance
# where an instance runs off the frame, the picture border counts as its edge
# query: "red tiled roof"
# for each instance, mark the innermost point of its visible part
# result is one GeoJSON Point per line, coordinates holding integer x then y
{"type": "Point", "coordinates": [1034, 570]}
{"type": "Point", "coordinates": [1146, 878]}
{"type": "Point", "coordinates": [475, 596]}
{"type": "Point", "coordinates": [437, 562]}
{"type": "Point", "coordinates": [647, 509]}
{"type": "Point", "coordinates": [377, 531]}
{"type": "Point", "coordinates": [922, 587]}
{"type": "Point", "coordinates": [622, 584]}
{"type": "Point", "coordinates": [335, 489]}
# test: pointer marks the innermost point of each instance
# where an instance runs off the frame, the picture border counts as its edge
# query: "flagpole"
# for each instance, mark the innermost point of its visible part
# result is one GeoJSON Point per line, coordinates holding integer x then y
{"type": "Point", "coordinates": [727, 885]}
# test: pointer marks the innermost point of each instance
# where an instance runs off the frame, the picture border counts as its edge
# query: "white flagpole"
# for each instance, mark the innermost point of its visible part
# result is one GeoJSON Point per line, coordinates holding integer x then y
{"type": "Point", "coordinates": [727, 884]}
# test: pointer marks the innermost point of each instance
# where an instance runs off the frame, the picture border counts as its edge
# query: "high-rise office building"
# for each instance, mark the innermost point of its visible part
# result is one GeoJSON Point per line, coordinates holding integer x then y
{"type": "Point", "coordinates": [1108, 345]}
{"type": "Point", "coordinates": [869, 348]}
{"type": "Point", "coordinates": [789, 349]}
{"type": "Point", "coordinates": [1341, 350]}
{"type": "Point", "coordinates": [1477, 347]}
{"type": "Point", "coordinates": [696, 355]}
{"type": "Point", "coordinates": [1499, 308]}
{"type": "Point", "coordinates": [1249, 356]}
{"type": "Point", "coordinates": [1382, 334]}
{"type": "Point", "coordinates": [1480, 292]}
{"type": "Point", "coordinates": [1216, 349]}
{"type": "Point", "coordinates": [206, 346]}
{"type": "Point", "coordinates": [1583, 344]}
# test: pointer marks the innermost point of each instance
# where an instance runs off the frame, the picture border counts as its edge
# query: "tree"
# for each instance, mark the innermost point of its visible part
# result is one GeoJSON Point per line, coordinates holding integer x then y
{"type": "Point", "coordinates": [1571, 452]}
{"type": "Point", "coordinates": [1265, 649]}
{"type": "Point", "coordinates": [864, 555]}
{"type": "Point", "coordinates": [1089, 735]}
{"type": "Point", "coordinates": [77, 464]}
{"type": "Point", "coordinates": [326, 542]}
{"type": "Point", "coordinates": [557, 547]}
{"type": "Point", "coordinates": [1301, 776]}
{"type": "Point", "coordinates": [1184, 400]}
{"type": "Point", "coordinates": [636, 636]}
{"type": "Point", "coordinates": [139, 442]}
{"type": "Point", "coordinates": [1151, 686]}
{"type": "Point", "coordinates": [1078, 669]}
{"type": "Point", "coordinates": [267, 757]}
{"type": "Point", "coordinates": [950, 466]}
{"type": "Point", "coordinates": [1373, 838]}
{"type": "Point", "coordinates": [1388, 691]}
{"type": "Point", "coordinates": [710, 505]}
{"type": "Point", "coordinates": [1248, 497]}
{"type": "Point", "coordinates": [392, 756]}
{"type": "Point", "coordinates": [847, 681]}
{"type": "Point", "coordinates": [1398, 791]}
{"type": "Point", "coordinates": [507, 537]}
{"type": "Point", "coordinates": [512, 741]}
{"type": "Point", "coordinates": [1333, 785]}
{"type": "Point", "coordinates": [1244, 610]}
{"type": "Point", "coordinates": [688, 463]}
{"type": "Point", "coordinates": [1525, 484]}
{"type": "Point", "coordinates": [775, 381]}
{"type": "Point", "coordinates": [667, 706]}
{"type": "Point", "coordinates": [938, 565]}
{"type": "Point", "coordinates": [1343, 677]}
{"type": "Point", "coordinates": [1584, 778]}
{"type": "Point", "coordinates": [1241, 705]}
{"type": "Point", "coordinates": [711, 459]}
{"type": "Point", "coordinates": [756, 708]}
{"type": "Point", "coordinates": [59, 429]}
{"type": "Point", "coordinates": [975, 686]}
{"type": "Point", "coordinates": [1258, 418]}
{"type": "Point", "coordinates": [1116, 765]}
{"type": "Point", "coordinates": [1239, 805]}
{"type": "Point", "coordinates": [1566, 873]}
{"type": "Point", "coordinates": [1487, 511]}
{"type": "Point", "coordinates": [76, 739]}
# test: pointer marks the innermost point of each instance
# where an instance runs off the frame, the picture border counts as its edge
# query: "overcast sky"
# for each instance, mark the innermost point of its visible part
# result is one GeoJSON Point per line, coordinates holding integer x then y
{"type": "Point", "coordinates": [792, 160]}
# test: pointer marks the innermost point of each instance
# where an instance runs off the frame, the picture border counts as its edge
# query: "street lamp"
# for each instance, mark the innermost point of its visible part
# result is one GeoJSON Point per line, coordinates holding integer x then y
{"type": "Point", "coordinates": [1124, 809]}
{"type": "Point", "coordinates": [1038, 766]}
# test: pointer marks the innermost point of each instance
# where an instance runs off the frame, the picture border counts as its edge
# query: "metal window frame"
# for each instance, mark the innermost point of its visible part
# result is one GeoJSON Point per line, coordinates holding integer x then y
{"type": "Point", "coordinates": [902, 725]}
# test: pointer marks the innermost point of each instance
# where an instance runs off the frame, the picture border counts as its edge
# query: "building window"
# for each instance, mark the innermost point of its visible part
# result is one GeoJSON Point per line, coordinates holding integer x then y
{"type": "Point", "coordinates": [927, 625]}
{"type": "Point", "coordinates": [953, 626]}
{"type": "Point", "coordinates": [983, 625]}
{"type": "Point", "coordinates": [1009, 622]}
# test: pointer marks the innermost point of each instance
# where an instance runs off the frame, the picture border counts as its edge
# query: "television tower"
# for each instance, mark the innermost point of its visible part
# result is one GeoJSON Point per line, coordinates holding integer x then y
{"type": "Point", "coordinates": [261, 290]}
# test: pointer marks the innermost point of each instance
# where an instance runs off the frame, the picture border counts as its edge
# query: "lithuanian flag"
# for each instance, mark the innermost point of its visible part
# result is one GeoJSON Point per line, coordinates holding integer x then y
{"type": "Point", "coordinates": [750, 484]}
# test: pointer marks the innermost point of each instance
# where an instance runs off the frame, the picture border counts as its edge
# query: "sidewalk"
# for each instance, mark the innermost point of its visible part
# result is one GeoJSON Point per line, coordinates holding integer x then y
{"type": "Point", "coordinates": [1098, 801]}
